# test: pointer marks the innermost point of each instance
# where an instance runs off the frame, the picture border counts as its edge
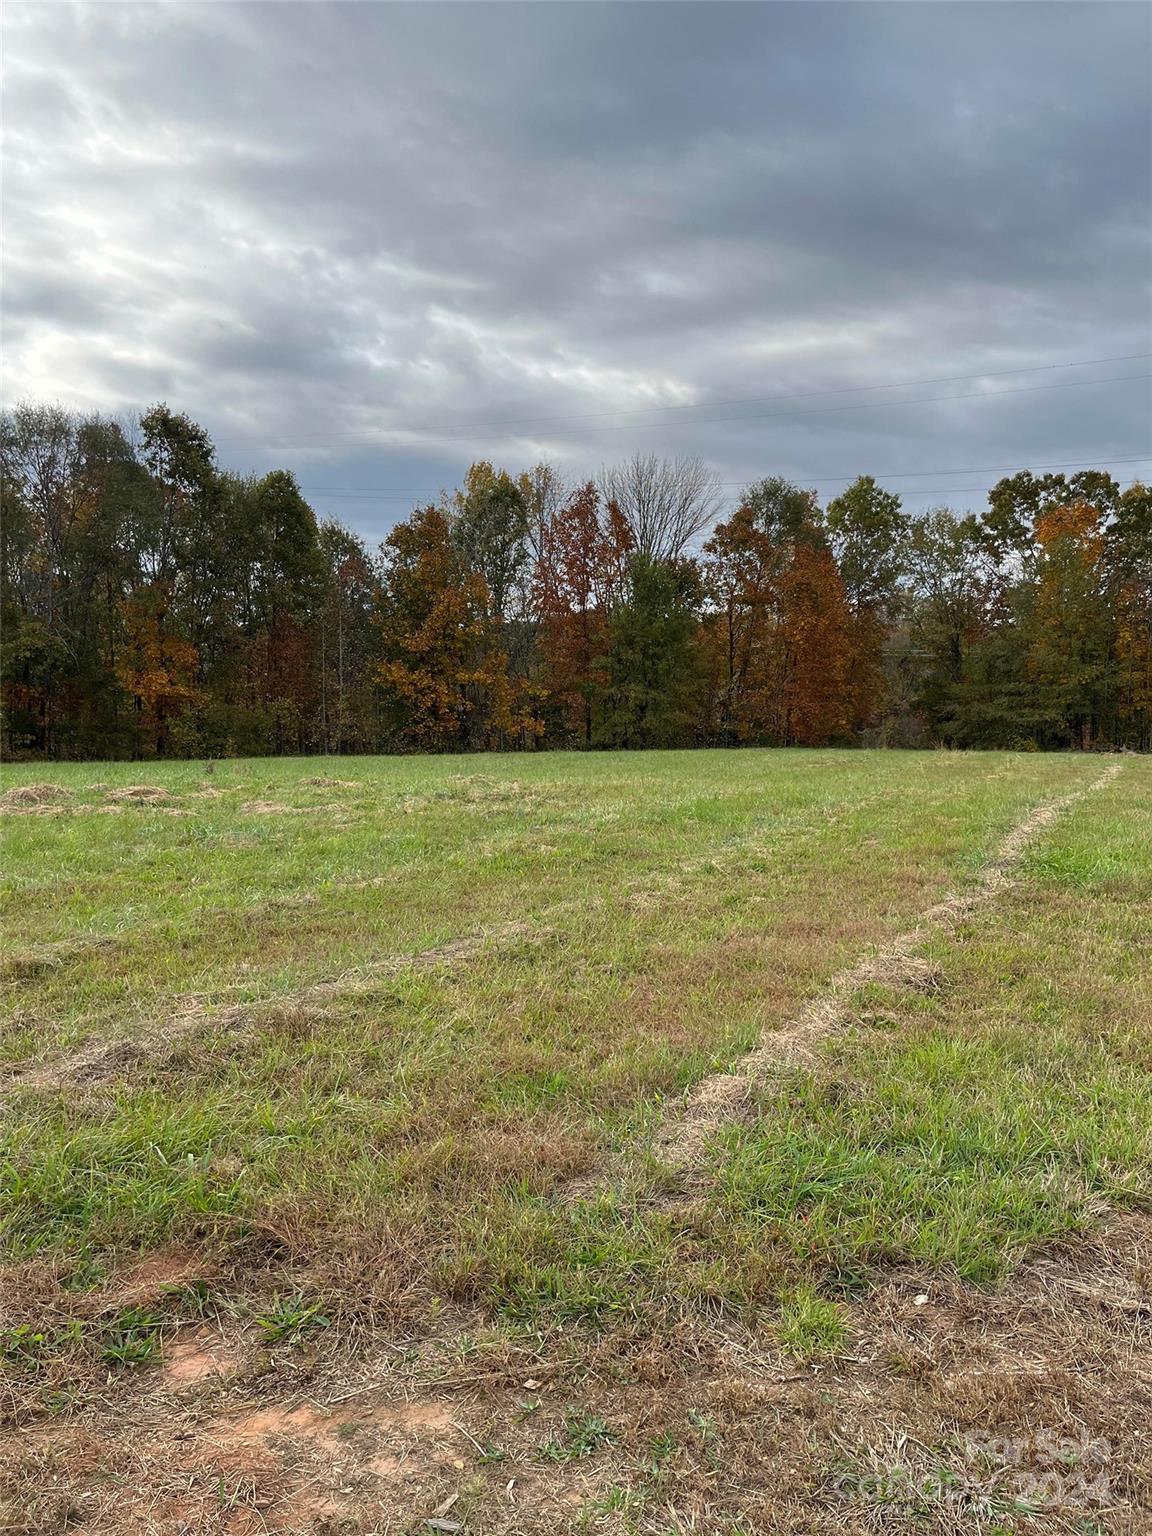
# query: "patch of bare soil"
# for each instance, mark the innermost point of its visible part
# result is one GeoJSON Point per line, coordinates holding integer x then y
{"type": "Point", "coordinates": [145, 1279]}
{"type": "Point", "coordinates": [718, 1099]}
{"type": "Point", "coordinates": [101, 1059]}
{"type": "Point", "coordinates": [951, 1412]}
{"type": "Point", "coordinates": [196, 1360]}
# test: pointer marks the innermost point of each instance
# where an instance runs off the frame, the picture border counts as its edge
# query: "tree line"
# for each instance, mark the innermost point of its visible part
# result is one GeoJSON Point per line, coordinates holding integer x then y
{"type": "Point", "coordinates": [155, 605]}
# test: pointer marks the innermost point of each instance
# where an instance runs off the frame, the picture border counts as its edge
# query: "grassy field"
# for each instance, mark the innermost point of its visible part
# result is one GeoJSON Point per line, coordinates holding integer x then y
{"type": "Point", "coordinates": [673, 1142]}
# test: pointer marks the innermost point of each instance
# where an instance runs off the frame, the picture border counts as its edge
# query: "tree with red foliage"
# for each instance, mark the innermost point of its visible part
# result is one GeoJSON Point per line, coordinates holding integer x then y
{"type": "Point", "coordinates": [578, 580]}
{"type": "Point", "coordinates": [816, 643]}
{"type": "Point", "coordinates": [741, 580]}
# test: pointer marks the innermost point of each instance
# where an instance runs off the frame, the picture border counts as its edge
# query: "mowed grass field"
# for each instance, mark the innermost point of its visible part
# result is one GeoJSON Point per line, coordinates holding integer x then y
{"type": "Point", "coordinates": [344, 1174]}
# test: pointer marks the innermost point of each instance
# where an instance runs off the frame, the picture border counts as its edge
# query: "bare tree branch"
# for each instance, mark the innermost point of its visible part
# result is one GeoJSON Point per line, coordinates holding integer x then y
{"type": "Point", "coordinates": [665, 502]}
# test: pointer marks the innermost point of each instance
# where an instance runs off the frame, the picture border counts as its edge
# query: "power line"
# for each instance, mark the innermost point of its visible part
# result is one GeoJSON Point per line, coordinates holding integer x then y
{"type": "Point", "coordinates": [465, 428]}
{"type": "Point", "coordinates": [402, 492]}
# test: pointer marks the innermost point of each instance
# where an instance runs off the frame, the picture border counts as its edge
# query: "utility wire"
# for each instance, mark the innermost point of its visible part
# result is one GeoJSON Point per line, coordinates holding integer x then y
{"type": "Point", "coordinates": [1089, 461]}
{"type": "Point", "coordinates": [465, 428]}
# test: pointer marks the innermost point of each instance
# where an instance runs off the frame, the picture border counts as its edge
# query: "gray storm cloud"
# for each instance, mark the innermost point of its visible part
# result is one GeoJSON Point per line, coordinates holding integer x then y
{"type": "Point", "coordinates": [348, 237]}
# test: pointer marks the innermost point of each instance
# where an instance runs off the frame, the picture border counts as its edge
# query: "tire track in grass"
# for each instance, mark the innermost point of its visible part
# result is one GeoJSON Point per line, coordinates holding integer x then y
{"type": "Point", "coordinates": [101, 1060]}
{"type": "Point", "coordinates": [723, 1097]}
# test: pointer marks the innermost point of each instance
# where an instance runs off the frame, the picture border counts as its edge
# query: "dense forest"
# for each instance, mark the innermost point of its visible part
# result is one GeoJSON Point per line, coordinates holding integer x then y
{"type": "Point", "coordinates": [155, 605]}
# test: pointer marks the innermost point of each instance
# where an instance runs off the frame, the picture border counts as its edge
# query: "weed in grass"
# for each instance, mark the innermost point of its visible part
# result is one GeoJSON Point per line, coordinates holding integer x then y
{"type": "Point", "coordinates": [583, 1434]}
{"type": "Point", "coordinates": [23, 1346]}
{"type": "Point", "coordinates": [619, 1500]}
{"type": "Point", "coordinates": [661, 1448]}
{"type": "Point", "coordinates": [85, 1275]}
{"type": "Point", "coordinates": [290, 1319]}
{"type": "Point", "coordinates": [809, 1325]}
{"type": "Point", "coordinates": [133, 1337]}
{"type": "Point", "coordinates": [27, 1348]}
{"type": "Point", "coordinates": [192, 1299]}
{"type": "Point", "coordinates": [703, 1423]}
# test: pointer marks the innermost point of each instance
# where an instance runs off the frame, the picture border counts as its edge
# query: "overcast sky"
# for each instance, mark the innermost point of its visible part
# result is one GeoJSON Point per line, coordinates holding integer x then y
{"type": "Point", "coordinates": [373, 242]}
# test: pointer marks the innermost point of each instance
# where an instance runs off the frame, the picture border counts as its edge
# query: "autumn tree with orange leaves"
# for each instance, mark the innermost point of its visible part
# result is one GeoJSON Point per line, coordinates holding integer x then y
{"type": "Point", "coordinates": [742, 582]}
{"type": "Point", "coordinates": [155, 604]}
{"type": "Point", "coordinates": [817, 644]}
{"type": "Point", "coordinates": [779, 637]}
{"type": "Point", "coordinates": [445, 679]}
{"type": "Point", "coordinates": [1069, 626]}
{"type": "Point", "coordinates": [579, 578]}
{"type": "Point", "coordinates": [157, 670]}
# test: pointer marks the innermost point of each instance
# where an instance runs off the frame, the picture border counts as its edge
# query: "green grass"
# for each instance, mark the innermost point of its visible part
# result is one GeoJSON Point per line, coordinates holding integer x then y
{"type": "Point", "coordinates": [956, 1130]}
{"type": "Point", "coordinates": [399, 1132]}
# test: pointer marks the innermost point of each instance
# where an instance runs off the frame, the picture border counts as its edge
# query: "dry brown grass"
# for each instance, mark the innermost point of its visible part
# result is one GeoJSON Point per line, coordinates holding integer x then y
{"type": "Point", "coordinates": [721, 1428]}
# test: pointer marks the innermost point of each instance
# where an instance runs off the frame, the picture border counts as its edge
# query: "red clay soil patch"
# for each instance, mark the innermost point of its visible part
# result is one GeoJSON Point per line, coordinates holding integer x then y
{"type": "Point", "coordinates": [170, 1267]}
{"type": "Point", "coordinates": [301, 1468]}
{"type": "Point", "coordinates": [192, 1361]}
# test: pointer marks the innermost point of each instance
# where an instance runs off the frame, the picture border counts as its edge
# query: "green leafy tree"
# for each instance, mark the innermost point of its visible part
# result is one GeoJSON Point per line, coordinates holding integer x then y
{"type": "Point", "coordinates": [869, 535]}
{"type": "Point", "coordinates": [348, 643]}
{"type": "Point", "coordinates": [951, 592]}
{"type": "Point", "coordinates": [490, 527]}
{"type": "Point", "coordinates": [653, 668]}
